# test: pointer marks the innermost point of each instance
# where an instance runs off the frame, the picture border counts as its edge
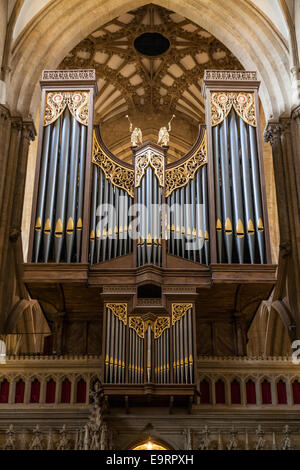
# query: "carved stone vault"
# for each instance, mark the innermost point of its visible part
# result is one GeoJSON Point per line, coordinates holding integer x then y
{"type": "Point", "coordinates": [131, 82]}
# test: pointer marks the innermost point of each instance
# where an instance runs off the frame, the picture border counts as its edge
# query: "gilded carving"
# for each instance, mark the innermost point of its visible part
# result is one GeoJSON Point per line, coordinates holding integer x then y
{"type": "Point", "coordinates": [57, 101]}
{"type": "Point", "coordinates": [149, 158]}
{"type": "Point", "coordinates": [158, 326]}
{"type": "Point", "coordinates": [119, 310]}
{"type": "Point", "coordinates": [116, 173]}
{"type": "Point", "coordinates": [222, 102]}
{"type": "Point", "coordinates": [137, 324]}
{"type": "Point", "coordinates": [180, 175]}
{"type": "Point", "coordinates": [179, 310]}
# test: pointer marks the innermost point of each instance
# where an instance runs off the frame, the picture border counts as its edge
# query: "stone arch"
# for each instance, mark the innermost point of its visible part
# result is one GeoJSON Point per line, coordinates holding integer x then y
{"type": "Point", "coordinates": [232, 22]}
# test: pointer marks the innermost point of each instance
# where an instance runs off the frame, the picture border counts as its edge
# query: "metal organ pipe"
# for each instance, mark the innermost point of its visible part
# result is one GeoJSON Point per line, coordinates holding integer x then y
{"type": "Point", "coordinates": [215, 131]}
{"type": "Point", "coordinates": [246, 181]}
{"type": "Point", "coordinates": [60, 211]}
{"type": "Point", "coordinates": [93, 214]}
{"type": "Point", "coordinates": [236, 187]}
{"type": "Point", "coordinates": [51, 189]}
{"type": "Point", "coordinates": [256, 192]}
{"type": "Point", "coordinates": [81, 174]}
{"type": "Point", "coordinates": [205, 213]}
{"type": "Point", "coordinates": [226, 192]}
{"type": "Point", "coordinates": [72, 190]}
{"type": "Point", "coordinates": [42, 193]}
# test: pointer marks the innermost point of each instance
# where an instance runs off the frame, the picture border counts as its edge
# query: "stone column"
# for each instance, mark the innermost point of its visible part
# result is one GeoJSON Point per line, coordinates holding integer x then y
{"type": "Point", "coordinates": [15, 136]}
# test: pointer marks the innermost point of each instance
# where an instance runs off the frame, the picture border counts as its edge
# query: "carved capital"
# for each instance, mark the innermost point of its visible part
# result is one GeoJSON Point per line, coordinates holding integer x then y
{"type": "Point", "coordinates": [28, 128]}
{"type": "Point", "coordinates": [272, 132]}
{"type": "Point", "coordinates": [285, 125]}
{"type": "Point", "coordinates": [296, 114]}
{"type": "Point", "coordinates": [4, 113]}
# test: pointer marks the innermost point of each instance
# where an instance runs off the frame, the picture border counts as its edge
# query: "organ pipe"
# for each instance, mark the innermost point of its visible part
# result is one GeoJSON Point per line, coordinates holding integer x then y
{"type": "Point", "coordinates": [246, 182]}
{"type": "Point", "coordinates": [257, 192]}
{"type": "Point", "coordinates": [226, 189]}
{"type": "Point", "coordinates": [236, 188]}
{"type": "Point", "coordinates": [42, 193]}
{"type": "Point", "coordinates": [51, 189]}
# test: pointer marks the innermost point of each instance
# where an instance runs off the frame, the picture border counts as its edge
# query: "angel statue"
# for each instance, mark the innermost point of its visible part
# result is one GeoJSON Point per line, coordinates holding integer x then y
{"type": "Point", "coordinates": [163, 135]}
{"type": "Point", "coordinates": [136, 134]}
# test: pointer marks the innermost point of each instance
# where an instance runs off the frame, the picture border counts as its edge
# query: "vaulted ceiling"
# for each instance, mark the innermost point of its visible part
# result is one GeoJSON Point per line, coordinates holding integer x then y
{"type": "Point", "coordinates": [129, 80]}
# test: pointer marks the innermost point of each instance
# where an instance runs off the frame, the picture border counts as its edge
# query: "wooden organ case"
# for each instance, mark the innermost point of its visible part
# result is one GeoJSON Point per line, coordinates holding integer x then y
{"type": "Point", "coordinates": [149, 264]}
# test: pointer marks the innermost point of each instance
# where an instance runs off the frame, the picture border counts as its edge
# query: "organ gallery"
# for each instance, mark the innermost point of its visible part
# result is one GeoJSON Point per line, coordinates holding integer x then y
{"type": "Point", "coordinates": [151, 301]}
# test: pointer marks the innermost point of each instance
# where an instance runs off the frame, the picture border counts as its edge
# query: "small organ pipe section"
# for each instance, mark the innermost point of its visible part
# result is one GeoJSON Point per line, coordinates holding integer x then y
{"type": "Point", "coordinates": [149, 200]}
{"type": "Point", "coordinates": [159, 350]}
{"type": "Point", "coordinates": [182, 330]}
{"type": "Point", "coordinates": [59, 210]}
{"type": "Point", "coordinates": [110, 226]}
{"type": "Point", "coordinates": [115, 340]}
{"type": "Point", "coordinates": [188, 227]}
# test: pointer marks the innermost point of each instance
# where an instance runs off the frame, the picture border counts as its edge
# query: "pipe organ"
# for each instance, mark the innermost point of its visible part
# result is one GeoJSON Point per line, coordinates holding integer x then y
{"type": "Point", "coordinates": [207, 207]}
{"type": "Point", "coordinates": [155, 261]}
{"type": "Point", "coordinates": [149, 348]}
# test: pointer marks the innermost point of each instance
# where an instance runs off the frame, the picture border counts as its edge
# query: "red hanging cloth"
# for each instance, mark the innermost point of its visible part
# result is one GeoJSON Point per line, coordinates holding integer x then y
{"type": "Point", "coordinates": [235, 392]}
{"type": "Point", "coordinates": [66, 391]}
{"type": "Point", "coordinates": [20, 391]}
{"type": "Point", "coordinates": [35, 391]}
{"type": "Point", "coordinates": [266, 393]}
{"type": "Point", "coordinates": [204, 392]}
{"type": "Point", "coordinates": [4, 391]}
{"type": "Point", "coordinates": [296, 392]}
{"type": "Point", "coordinates": [81, 391]}
{"type": "Point", "coordinates": [220, 391]}
{"type": "Point", "coordinates": [281, 393]}
{"type": "Point", "coordinates": [50, 391]}
{"type": "Point", "coordinates": [250, 392]}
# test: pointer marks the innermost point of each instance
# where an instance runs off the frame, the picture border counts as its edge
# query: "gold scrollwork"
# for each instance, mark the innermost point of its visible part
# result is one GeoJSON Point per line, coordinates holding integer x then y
{"type": "Point", "coordinates": [243, 103]}
{"type": "Point", "coordinates": [180, 175]}
{"type": "Point", "coordinates": [179, 310]}
{"type": "Point", "coordinates": [156, 161]}
{"type": "Point", "coordinates": [137, 323]}
{"type": "Point", "coordinates": [158, 326]}
{"type": "Point", "coordinates": [119, 310]}
{"type": "Point", "coordinates": [117, 174]}
{"type": "Point", "coordinates": [56, 102]}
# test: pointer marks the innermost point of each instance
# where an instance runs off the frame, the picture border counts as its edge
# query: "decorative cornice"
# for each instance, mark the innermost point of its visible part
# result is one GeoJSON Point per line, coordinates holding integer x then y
{"type": "Point", "coordinates": [79, 74]}
{"type": "Point", "coordinates": [230, 75]}
{"type": "Point", "coordinates": [81, 78]}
